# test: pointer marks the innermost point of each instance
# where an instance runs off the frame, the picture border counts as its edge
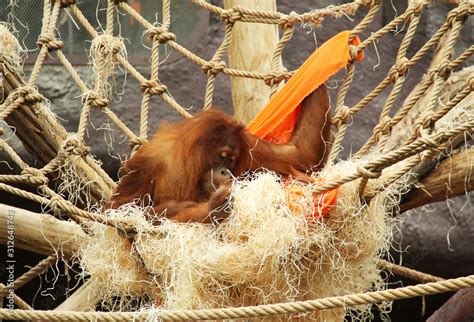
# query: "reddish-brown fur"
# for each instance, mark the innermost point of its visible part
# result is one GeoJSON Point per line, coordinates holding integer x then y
{"type": "Point", "coordinates": [174, 167]}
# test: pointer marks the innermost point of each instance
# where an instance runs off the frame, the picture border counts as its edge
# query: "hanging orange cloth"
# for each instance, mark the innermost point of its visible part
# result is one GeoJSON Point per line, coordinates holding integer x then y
{"type": "Point", "coordinates": [276, 121]}
{"type": "Point", "coordinates": [322, 202]}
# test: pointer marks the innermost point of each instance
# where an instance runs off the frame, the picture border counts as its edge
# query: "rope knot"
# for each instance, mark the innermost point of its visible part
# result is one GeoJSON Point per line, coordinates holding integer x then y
{"type": "Point", "coordinates": [28, 94]}
{"type": "Point", "coordinates": [105, 45]}
{"type": "Point", "coordinates": [432, 74]}
{"type": "Point", "coordinates": [384, 126]}
{"type": "Point", "coordinates": [35, 176]}
{"type": "Point", "coordinates": [95, 100]}
{"type": "Point", "coordinates": [231, 15]}
{"type": "Point", "coordinates": [213, 68]}
{"type": "Point", "coordinates": [369, 174]}
{"type": "Point", "coordinates": [288, 21]}
{"type": "Point", "coordinates": [415, 8]}
{"type": "Point", "coordinates": [354, 52]}
{"type": "Point", "coordinates": [31, 171]}
{"type": "Point", "coordinates": [369, 3]}
{"type": "Point", "coordinates": [443, 70]}
{"type": "Point", "coordinates": [429, 142]}
{"type": "Point", "coordinates": [342, 116]}
{"type": "Point", "coordinates": [66, 3]}
{"type": "Point", "coordinates": [50, 43]}
{"type": "Point", "coordinates": [55, 203]}
{"type": "Point", "coordinates": [471, 83]}
{"type": "Point", "coordinates": [421, 125]}
{"type": "Point", "coordinates": [459, 13]}
{"type": "Point", "coordinates": [74, 146]}
{"type": "Point", "coordinates": [137, 142]}
{"type": "Point", "coordinates": [427, 122]}
{"type": "Point", "coordinates": [153, 87]}
{"type": "Point", "coordinates": [275, 77]}
{"type": "Point", "coordinates": [161, 34]}
{"type": "Point", "coordinates": [399, 69]}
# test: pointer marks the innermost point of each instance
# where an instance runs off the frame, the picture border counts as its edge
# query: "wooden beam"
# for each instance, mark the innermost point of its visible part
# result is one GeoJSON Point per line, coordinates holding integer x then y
{"type": "Point", "coordinates": [39, 233]}
{"type": "Point", "coordinates": [42, 135]}
{"type": "Point", "coordinates": [448, 1]}
{"type": "Point", "coordinates": [84, 298]}
{"type": "Point", "coordinates": [460, 307]}
{"type": "Point", "coordinates": [45, 234]}
{"type": "Point", "coordinates": [455, 83]}
{"type": "Point", "coordinates": [16, 299]}
{"type": "Point", "coordinates": [453, 177]}
{"type": "Point", "coordinates": [251, 49]}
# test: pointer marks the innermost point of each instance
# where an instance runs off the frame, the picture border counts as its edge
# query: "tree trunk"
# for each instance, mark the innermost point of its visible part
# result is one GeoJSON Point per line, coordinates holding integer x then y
{"type": "Point", "coordinates": [39, 233]}
{"type": "Point", "coordinates": [251, 49]}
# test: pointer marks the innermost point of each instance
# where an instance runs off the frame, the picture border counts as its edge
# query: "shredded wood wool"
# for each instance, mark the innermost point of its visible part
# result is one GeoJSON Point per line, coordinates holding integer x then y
{"type": "Point", "coordinates": [263, 253]}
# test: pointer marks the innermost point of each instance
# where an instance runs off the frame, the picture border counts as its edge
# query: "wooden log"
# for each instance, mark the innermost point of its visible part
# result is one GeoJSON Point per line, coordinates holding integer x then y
{"type": "Point", "coordinates": [453, 177]}
{"type": "Point", "coordinates": [15, 299]}
{"type": "Point", "coordinates": [39, 233]}
{"type": "Point", "coordinates": [42, 135]}
{"type": "Point", "coordinates": [449, 1]}
{"type": "Point", "coordinates": [44, 234]}
{"type": "Point", "coordinates": [251, 49]}
{"type": "Point", "coordinates": [460, 307]}
{"type": "Point", "coordinates": [84, 298]}
{"type": "Point", "coordinates": [455, 83]}
{"type": "Point", "coordinates": [452, 85]}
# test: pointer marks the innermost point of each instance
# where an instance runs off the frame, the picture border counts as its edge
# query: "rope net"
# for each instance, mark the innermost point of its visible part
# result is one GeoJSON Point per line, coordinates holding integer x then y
{"type": "Point", "coordinates": [71, 182]}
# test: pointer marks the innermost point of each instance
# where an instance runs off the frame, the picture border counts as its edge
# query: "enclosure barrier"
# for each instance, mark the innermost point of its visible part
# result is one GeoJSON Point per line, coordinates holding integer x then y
{"type": "Point", "coordinates": [26, 110]}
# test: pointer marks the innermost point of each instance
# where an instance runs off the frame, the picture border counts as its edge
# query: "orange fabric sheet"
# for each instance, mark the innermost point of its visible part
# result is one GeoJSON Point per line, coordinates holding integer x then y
{"type": "Point", "coordinates": [275, 123]}
{"type": "Point", "coordinates": [277, 119]}
{"type": "Point", "coordinates": [323, 202]}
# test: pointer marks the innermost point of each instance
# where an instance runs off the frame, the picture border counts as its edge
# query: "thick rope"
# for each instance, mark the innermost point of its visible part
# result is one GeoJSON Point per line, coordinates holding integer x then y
{"type": "Point", "coordinates": [29, 275]}
{"type": "Point", "coordinates": [397, 76]}
{"type": "Point", "coordinates": [408, 272]}
{"type": "Point", "coordinates": [443, 286]}
{"type": "Point", "coordinates": [16, 299]}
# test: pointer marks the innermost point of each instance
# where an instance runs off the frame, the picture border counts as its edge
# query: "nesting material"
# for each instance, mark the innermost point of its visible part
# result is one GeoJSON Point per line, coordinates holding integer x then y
{"type": "Point", "coordinates": [263, 253]}
{"type": "Point", "coordinates": [71, 186]}
{"type": "Point", "coordinates": [115, 268]}
{"type": "Point", "coordinates": [102, 55]}
{"type": "Point", "coordinates": [11, 52]}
